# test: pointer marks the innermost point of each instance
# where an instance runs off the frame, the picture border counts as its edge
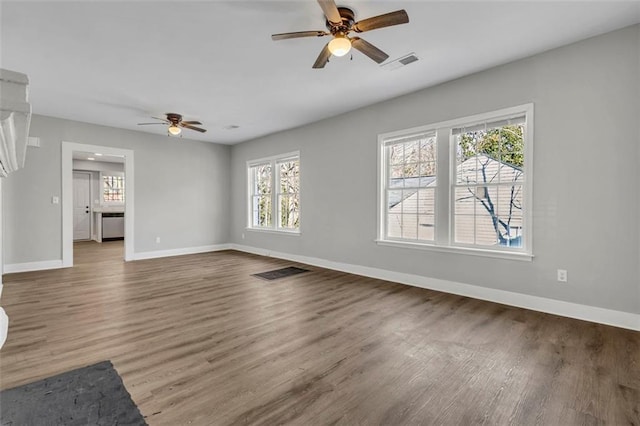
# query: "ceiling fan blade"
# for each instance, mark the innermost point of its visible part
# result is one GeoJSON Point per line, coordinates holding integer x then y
{"type": "Point", "coordinates": [145, 124]}
{"type": "Point", "coordinates": [330, 10]}
{"type": "Point", "coordinates": [388, 19]}
{"type": "Point", "coordinates": [298, 34]}
{"type": "Point", "coordinates": [161, 119]}
{"type": "Point", "coordinates": [369, 49]}
{"type": "Point", "coordinates": [188, 126]}
{"type": "Point", "coordinates": [191, 122]}
{"type": "Point", "coordinates": [323, 57]}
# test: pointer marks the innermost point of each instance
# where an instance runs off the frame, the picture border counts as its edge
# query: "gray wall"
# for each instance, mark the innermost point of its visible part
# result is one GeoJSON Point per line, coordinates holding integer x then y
{"type": "Point", "coordinates": [586, 179]}
{"type": "Point", "coordinates": [181, 191]}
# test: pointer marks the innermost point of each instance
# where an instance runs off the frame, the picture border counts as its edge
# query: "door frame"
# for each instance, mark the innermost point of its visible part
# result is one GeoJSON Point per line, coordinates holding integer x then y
{"type": "Point", "coordinates": [67, 197]}
{"type": "Point", "coordinates": [73, 172]}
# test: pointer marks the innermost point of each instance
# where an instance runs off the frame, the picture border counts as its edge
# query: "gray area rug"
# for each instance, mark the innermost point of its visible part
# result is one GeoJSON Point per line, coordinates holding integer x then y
{"type": "Point", "coordinates": [280, 273]}
{"type": "Point", "coordinates": [93, 395]}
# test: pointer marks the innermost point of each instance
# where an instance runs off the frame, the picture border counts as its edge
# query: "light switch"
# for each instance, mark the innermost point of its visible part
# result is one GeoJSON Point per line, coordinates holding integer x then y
{"type": "Point", "coordinates": [55, 200]}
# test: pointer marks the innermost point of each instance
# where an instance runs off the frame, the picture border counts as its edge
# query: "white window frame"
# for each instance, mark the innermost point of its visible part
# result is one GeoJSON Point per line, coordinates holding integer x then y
{"type": "Point", "coordinates": [273, 161]}
{"type": "Point", "coordinates": [446, 182]}
{"type": "Point", "coordinates": [407, 138]}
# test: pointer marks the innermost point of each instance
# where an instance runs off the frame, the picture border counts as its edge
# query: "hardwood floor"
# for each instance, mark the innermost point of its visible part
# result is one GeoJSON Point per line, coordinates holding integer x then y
{"type": "Point", "coordinates": [197, 340]}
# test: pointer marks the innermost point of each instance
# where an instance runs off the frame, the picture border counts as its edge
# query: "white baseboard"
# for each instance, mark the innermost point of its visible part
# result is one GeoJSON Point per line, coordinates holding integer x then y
{"type": "Point", "coordinates": [57, 264]}
{"type": "Point", "coordinates": [179, 252]}
{"type": "Point", "coordinates": [551, 306]}
{"type": "Point", "coordinates": [32, 266]}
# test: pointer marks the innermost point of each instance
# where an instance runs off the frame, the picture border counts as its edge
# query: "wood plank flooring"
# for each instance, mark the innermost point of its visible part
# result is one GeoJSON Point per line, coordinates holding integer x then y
{"type": "Point", "coordinates": [198, 340]}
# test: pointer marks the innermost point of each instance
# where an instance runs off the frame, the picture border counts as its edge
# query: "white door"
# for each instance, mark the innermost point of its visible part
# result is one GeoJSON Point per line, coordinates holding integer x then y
{"type": "Point", "coordinates": [81, 204]}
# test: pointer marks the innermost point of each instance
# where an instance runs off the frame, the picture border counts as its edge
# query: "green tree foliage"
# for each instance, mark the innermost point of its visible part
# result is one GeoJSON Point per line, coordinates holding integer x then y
{"type": "Point", "coordinates": [505, 144]}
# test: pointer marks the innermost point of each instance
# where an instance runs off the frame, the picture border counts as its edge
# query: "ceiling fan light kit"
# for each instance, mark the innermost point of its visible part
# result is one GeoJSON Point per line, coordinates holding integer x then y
{"type": "Point", "coordinates": [340, 21]}
{"type": "Point", "coordinates": [340, 45]}
{"type": "Point", "coordinates": [174, 130]}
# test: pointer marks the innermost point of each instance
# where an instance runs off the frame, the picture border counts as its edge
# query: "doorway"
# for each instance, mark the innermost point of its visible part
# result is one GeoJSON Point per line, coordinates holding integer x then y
{"type": "Point", "coordinates": [68, 150]}
{"type": "Point", "coordinates": [81, 206]}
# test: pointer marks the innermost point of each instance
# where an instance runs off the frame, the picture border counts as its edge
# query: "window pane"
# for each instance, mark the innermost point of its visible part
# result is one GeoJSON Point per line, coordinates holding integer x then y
{"type": "Point", "coordinates": [511, 145]}
{"type": "Point", "coordinates": [428, 170]}
{"type": "Point", "coordinates": [428, 150]}
{"type": "Point", "coordinates": [411, 152]}
{"type": "Point", "coordinates": [509, 174]}
{"type": "Point", "coordinates": [486, 211]}
{"type": "Point", "coordinates": [426, 224]}
{"type": "Point", "coordinates": [262, 179]}
{"type": "Point", "coordinates": [464, 229]}
{"type": "Point", "coordinates": [409, 226]}
{"type": "Point", "coordinates": [261, 210]}
{"type": "Point", "coordinates": [394, 199]}
{"type": "Point", "coordinates": [410, 202]}
{"type": "Point", "coordinates": [396, 172]}
{"type": "Point", "coordinates": [426, 202]}
{"type": "Point", "coordinates": [394, 225]}
{"type": "Point", "coordinates": [466, 169]}
{"type": "Point", "coordinates": [396, 154]}
{"type": "Point", "coordinates": [289, 211]}
{"type": "Point", "coordinates": [289, 176]}
{"type": "Point", "coordinates": [465, 201]}
{"type": "Point", "coordinates": [510, 215]}
{"type": "Point", "coordinates": [465, 207]}
{"type": "Point", "coordinates": [411, 171]}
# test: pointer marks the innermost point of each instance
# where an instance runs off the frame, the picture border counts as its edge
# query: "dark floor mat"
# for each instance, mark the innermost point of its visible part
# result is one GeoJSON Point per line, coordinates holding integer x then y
{"type": "Point", "coordinates": [91, 395]}
{"type": "Point", "coordinates": [280, 273]}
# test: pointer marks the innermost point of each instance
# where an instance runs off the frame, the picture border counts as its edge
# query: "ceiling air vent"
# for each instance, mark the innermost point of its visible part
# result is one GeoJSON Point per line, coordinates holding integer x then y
{"type": "Point", "coordinates": [400, 62]}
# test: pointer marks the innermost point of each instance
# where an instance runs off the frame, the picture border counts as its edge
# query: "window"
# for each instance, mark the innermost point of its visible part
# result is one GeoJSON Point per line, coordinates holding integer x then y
{"type": "Point", "coordinates": [113, 189]}
{"type": "Point", "coordinates": [411, 185]}
{"type": "Point", "coordinates": [274, 193]}
{"type": "Point", "coordinates": [462, 185]}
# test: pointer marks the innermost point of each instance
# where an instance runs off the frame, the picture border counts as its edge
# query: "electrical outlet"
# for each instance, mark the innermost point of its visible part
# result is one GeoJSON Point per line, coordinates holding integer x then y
{"type": "Point", "coordinates": [562, 275]}
{"type": "Point", "coordinates": [243, 236]}
{"type": "Point", "coordinates": [55, 200]}
{"type": "Point", "coordinates": [157, 240]}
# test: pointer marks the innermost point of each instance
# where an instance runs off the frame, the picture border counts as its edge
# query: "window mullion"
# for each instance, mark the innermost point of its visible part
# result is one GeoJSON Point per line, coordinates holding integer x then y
{"type": "Point", "coordinates": [275, 208]}
{"type": "Point", "coordinates": [443, 187]}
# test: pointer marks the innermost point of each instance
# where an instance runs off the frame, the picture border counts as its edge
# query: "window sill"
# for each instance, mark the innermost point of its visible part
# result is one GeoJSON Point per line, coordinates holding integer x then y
{"type": "Point", "coordinates": [459, 250]}
{"type": "Point", "coordinates": [292, 233]}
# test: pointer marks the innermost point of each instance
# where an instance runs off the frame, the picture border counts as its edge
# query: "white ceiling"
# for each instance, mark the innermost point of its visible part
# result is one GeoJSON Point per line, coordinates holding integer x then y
{"type": "Point", "coordinates": [117, 63]}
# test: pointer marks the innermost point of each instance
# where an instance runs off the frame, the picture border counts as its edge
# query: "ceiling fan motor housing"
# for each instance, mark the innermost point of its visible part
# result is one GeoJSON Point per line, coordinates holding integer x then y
{"type": "Point", "coordinates": [348, 18]}
{"type": "Point", "coordinates": [174, 118]}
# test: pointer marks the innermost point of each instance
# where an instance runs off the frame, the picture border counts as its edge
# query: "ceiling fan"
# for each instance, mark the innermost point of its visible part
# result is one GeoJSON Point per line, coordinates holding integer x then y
{"type": "Point", "coordinates": [340, 21]}
{"type": "Point", "coordinates": [175, 123]}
